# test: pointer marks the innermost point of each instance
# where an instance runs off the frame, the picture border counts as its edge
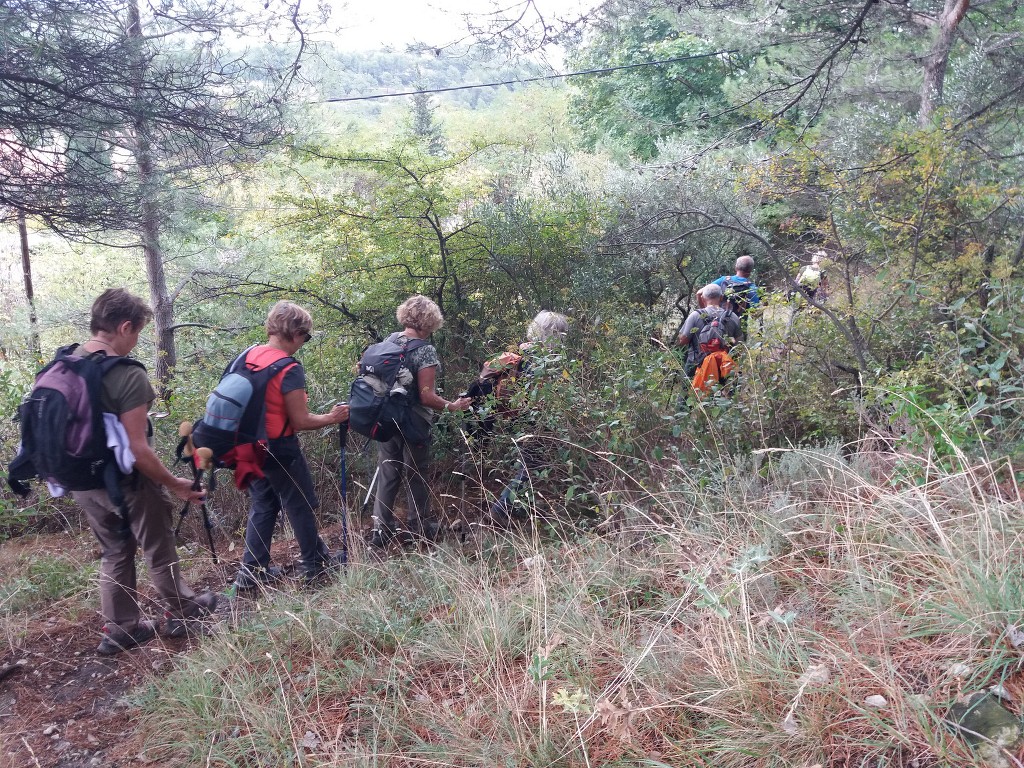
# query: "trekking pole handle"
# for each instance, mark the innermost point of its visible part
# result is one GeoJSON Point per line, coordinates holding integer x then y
{"type": "Point", "coordinates": [185, 431]}
{"type": "Point", "coordinates": [204, 460]}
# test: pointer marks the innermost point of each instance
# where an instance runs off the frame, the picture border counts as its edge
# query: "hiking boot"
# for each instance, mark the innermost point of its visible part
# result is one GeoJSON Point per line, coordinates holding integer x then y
{"type": "Point", "coordinates": [427, 531]}
{"type": "Point", "coordinates": [380, 539]}
{"type": "Point", "coordinates": [250, 577]}
{"type": "Point", "coordinates": [175, 626]}
{"type": "Point", "coordinates": [324, 570]}
{"type": "Point", "coordinates": [115, 639]}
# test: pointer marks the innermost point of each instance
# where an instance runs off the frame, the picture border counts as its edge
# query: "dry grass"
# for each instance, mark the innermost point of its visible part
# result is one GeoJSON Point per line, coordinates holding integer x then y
{"type": "Point", "coordinates": [748, 630]}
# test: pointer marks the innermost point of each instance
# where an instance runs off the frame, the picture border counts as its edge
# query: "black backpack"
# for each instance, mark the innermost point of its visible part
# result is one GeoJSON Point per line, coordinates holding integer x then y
{"type": "Point", "coordinates": [236, 410]}
{"type": "Point", "coordinates": [737, 295]}
{"type": "Point", "coordinates": [63, 437]}
{"type": "Point", "coordinates": [712, 336]}
{"type": "Point", "coordinates": [377, 407]}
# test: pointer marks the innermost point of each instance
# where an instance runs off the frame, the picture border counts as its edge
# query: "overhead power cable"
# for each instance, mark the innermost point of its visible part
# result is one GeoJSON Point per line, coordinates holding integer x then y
{"type": "Point", "coordinates": [602, 71]}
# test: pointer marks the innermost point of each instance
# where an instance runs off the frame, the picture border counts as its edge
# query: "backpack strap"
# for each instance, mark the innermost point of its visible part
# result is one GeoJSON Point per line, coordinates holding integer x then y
{"type": "Point", "coordinates": [270, 371]}
{"type": "Point", "coordinates": [111, 471]}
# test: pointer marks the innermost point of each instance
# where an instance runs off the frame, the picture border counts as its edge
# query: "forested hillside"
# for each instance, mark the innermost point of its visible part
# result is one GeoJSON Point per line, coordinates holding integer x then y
{"type": "Point", "coordinates": [815, 564]}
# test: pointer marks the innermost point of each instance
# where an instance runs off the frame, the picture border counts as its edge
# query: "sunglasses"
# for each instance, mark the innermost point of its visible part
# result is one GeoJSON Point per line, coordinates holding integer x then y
{"type": "Point", "coordinates": [306, 336]}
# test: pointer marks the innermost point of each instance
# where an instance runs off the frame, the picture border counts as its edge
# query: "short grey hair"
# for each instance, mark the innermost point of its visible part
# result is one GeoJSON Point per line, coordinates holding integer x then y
{"type": "Point", "coordinates": [712, 291]}
{"type": "Point", "coordinates": [745, 264]}
{"type": "Point", "coordinates": [547, 325]}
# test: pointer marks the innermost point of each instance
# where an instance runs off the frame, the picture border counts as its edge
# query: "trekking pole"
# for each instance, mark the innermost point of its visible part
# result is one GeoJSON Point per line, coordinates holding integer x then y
{"type": "Point", "coordinates": [369, 494]}
{"type": "Point", "coordinates": [343, 470]}
{"type": "Point", "coordinates": [186, 450]}
{"type": "Point", "coordinates": [204, 460]}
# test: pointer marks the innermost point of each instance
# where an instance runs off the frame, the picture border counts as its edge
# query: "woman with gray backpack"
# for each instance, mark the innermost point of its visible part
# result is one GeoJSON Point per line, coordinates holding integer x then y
{"type": "Point", "coordinates": [419, 317]}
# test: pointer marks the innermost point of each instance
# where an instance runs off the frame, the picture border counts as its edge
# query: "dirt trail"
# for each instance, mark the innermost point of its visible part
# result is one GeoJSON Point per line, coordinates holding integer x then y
{"type": "Point", "coordinates": [62, 705]}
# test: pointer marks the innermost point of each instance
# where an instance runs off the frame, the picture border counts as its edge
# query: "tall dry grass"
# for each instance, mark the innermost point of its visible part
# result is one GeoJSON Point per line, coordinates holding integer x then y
{"type": "Point", "coordinates": [762, 625]}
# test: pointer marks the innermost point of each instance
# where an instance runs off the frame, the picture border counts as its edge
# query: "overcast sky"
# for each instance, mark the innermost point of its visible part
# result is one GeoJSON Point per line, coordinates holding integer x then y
{"type": "Point", "coordinates": [395, 23]}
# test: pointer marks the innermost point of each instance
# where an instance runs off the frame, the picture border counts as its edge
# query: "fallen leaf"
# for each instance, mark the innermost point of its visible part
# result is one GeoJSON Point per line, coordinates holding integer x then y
{"type": "Point", "coordinates": [790, 725]}
{"type": "Point", "coordinates": [310, 740]}
{"type": "Point", "coordinates": [816, 674]}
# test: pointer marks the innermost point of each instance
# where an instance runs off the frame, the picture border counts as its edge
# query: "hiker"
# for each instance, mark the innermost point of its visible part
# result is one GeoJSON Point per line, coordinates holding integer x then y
{"type": "Point", "coordinates": [741, 294]}
{"type": "Point", "coordinates": [711, 329]}
{"type": "Point", "coordinates": [813, 280]}
{"type": "Point", "coordinates": [117, 319]}
{"type": "Point", "coordinates": [286, 482]}
{"type": "Point", "coordinates": [546, 330]}
{"type": "Point", "coordinates": [419, 317]}
{"type": "Point", "coordinates": [544, 334]}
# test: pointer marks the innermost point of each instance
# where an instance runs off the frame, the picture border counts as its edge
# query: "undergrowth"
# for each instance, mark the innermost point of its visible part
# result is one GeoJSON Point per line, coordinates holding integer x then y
{"type": "Point", "coordinates": [755, 623]}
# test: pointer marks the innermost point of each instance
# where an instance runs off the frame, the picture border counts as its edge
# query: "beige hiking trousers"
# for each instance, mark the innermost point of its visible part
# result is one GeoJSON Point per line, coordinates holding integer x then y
{"type": "Point", "coordinates": [149, 527]}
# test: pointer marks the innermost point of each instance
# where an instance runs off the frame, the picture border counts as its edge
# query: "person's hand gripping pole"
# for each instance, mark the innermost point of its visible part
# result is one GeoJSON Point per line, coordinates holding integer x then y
{"type": "Point", "coordinates": [199, 459]}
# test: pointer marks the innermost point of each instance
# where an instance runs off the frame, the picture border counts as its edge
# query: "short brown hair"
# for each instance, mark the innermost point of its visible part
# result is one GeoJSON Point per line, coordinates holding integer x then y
{"type": "Point", "coordinates": [420, 313]}
{"type": "Point", "coordinates": [115, 306]}
{"type": "Point", "coordinates": [289, 320]}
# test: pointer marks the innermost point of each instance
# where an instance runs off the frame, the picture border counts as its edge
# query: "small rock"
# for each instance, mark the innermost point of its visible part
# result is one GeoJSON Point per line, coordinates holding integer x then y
{"type": "Point", "coordinates": [959, 669]}
{"type": "Point", "coordinates": [1001, 692]}
{"type": "Point", "coordinates": [1015, 636]}
{"type": "Point", "coordinates": [50, 730]}
{"type": "Point", "coordinates": [876, 701]}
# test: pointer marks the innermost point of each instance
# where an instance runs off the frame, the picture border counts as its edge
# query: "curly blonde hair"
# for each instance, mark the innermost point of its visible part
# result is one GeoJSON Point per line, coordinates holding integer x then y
{"type": "Point", "coordinates": [420, 313]}
{"type": "Point", "coordinates": [289, 320]}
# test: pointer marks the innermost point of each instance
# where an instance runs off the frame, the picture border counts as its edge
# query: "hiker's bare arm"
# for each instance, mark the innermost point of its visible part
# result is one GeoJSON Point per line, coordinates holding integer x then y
{"type": "Point", "coordinates": [426, 379]}
{"type": "Point", "coordinates": [148, 463]}
{"type": "Point", "coordinates": [687, 330]}
{"type": "Point", "coordinates": [296, 405]}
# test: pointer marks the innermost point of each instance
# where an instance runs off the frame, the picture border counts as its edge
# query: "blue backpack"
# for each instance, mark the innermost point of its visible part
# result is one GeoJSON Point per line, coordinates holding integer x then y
{"type": "Point", "coordinates": [236, 410]}
{"type": "Point", "coordinates": [63, 438]}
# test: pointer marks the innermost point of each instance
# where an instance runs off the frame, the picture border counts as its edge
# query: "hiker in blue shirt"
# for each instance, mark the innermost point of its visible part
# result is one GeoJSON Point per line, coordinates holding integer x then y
{"type": "Point", "coordinates": [740, 290]}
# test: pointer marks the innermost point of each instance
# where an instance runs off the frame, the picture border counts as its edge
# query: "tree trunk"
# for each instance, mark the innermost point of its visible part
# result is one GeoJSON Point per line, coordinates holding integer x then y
{"type": "Point", "coordinates": [937, 59]}
{"type": "Point", "coordinates": [26, 271]}
{"type": "Point", "coordinates": [159, 296]}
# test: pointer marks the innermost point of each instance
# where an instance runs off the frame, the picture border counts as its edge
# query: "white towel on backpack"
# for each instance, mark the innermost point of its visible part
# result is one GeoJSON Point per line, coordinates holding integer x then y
{"type": "Point", "coordinates": [117, 441]}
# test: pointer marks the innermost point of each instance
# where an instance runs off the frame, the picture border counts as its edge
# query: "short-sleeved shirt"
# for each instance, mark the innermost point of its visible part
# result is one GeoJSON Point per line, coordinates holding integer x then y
{"type": "Point", "coordinates": [422, 357]}
{"type": "Point", "coordinates": [290, 379]}
{"type": "Point", "coordinates": [741, 285]}
{"type": "Point", "coordinates": [125, 388]}
{"type": "Point", "coordinates": [695, 322]}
